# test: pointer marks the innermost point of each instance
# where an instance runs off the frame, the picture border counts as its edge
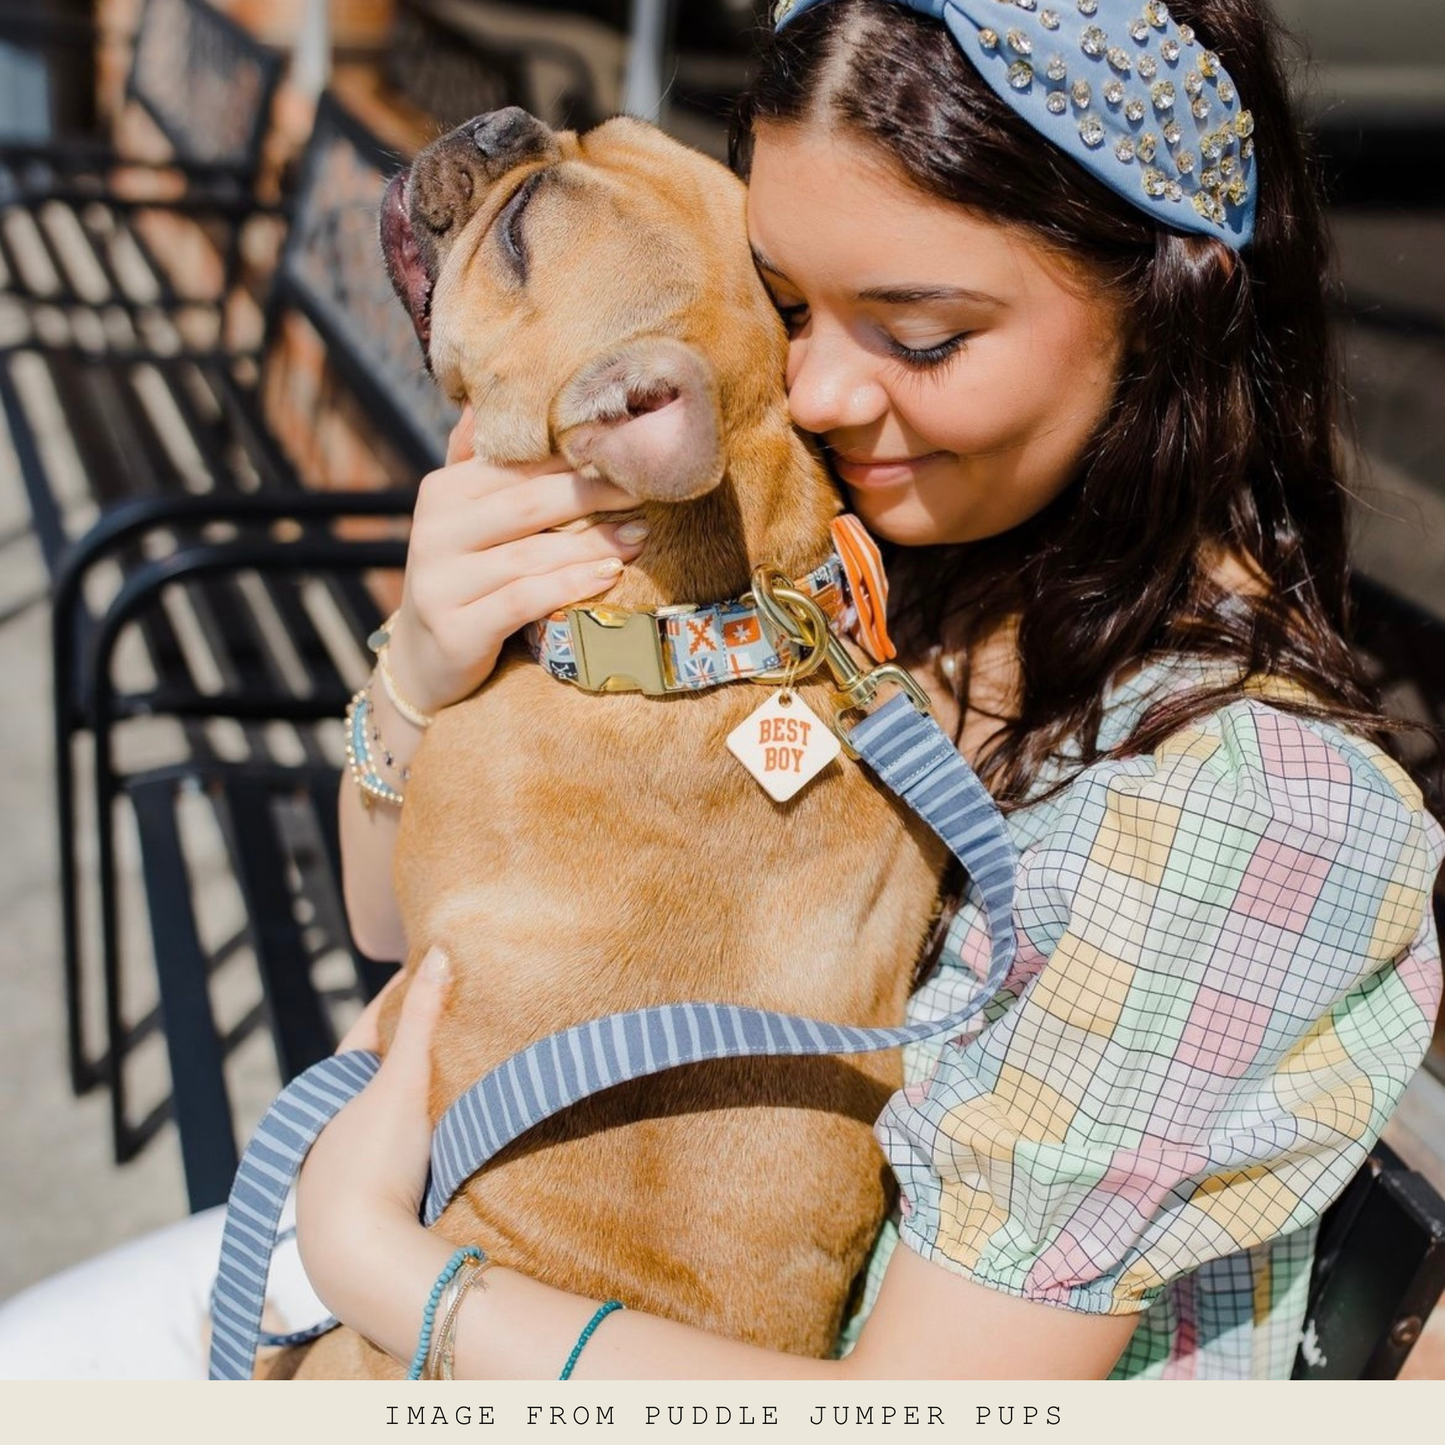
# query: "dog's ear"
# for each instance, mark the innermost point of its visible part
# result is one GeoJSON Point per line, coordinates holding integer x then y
{"type": "Point", "coordinates": [648, 417]}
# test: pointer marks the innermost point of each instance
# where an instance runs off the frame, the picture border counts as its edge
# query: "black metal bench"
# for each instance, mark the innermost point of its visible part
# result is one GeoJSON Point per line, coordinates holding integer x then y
{"type": "Point", "coordinates": [1379, 1272]}
{"type": "Point", "coordinates": [207, 86]}
{"type": "Point", "coordinates": [456, 60]}
{"type": "Point", "coordinates": [250, 603]}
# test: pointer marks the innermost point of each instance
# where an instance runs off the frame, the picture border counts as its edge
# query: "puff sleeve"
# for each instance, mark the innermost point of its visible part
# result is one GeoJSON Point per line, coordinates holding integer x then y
{"type": "Point", "coordinates": [1228, 972]}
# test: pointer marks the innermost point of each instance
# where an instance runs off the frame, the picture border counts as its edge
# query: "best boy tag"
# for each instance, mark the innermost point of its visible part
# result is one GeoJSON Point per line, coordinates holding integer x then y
{"type": "Point", "coordinates": [784, 745]}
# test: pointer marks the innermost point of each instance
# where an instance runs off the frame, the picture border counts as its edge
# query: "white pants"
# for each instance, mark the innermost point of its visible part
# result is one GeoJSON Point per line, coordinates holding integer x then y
{"type": "Point", "coordinates": [140, 1311]}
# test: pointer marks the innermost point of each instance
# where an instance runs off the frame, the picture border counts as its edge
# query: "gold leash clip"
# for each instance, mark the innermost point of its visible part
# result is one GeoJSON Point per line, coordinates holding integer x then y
{"type": "Point", "coordinates": [805, 625]}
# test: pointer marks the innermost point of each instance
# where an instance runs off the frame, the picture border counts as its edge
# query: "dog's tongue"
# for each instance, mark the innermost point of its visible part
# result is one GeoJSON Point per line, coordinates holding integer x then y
{"type": "Point", "coordinates": [403, 258]}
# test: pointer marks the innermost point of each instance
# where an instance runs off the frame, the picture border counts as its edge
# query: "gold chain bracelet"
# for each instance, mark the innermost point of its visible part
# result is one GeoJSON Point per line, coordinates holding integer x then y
{"type": "Point", "coordinates": [380, 643]}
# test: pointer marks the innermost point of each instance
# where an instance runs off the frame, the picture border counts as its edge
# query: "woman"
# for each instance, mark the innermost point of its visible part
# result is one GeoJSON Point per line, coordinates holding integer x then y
{"type": "Point", "coordinates": [1071, 366]}
{"type": "Point", "coordinates": [1094, 419]}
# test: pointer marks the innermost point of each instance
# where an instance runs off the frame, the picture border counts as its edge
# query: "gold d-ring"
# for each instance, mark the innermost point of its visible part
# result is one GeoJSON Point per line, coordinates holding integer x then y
{"type": "Point", "coordinates": [797, 617]}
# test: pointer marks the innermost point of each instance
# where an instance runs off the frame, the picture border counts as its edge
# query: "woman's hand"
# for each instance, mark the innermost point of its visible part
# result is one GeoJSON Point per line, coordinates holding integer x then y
{"type": "Point", "coordinates": [360, 1191]}
{"type": "Point", "coordinates": [373, 1156]}
{"type": "Point", "coordinates": [483, 561]}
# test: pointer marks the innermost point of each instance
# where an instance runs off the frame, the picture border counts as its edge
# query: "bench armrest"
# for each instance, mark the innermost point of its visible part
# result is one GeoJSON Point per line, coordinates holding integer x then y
{"type": "Point", "coordinates": [84, 152]}
{"type": "Point", "coordinates": [143, 587]}
{"type": "Point", "coordinates": [128, 521]}
{"type": "Point", "coordinates": [80, 173]}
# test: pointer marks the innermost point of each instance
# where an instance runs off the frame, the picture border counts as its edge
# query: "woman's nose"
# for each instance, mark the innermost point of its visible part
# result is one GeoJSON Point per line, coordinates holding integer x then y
{"type": "Point", "coordinates": [832, 385]}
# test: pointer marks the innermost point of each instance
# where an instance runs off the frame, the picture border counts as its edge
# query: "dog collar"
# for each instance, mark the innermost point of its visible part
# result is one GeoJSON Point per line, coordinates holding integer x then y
{"type": "Point", "coordinates": [687, 647]}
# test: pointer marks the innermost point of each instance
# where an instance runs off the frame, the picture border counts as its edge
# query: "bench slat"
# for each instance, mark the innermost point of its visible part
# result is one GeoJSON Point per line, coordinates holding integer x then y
{"type": "Point", "coordinates": [1379, 1271]}
{"type": "Point", "coordinates": [300, 1029]}
{"type": "Point", "coordinates": [200, 1101]}
{"type": "Point", "coordinates": [44, 509]}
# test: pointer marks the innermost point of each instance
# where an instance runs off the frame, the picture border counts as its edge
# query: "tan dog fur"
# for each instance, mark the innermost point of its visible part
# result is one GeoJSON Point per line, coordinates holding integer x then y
{"type": "Point", "coordinates": [577, 855]}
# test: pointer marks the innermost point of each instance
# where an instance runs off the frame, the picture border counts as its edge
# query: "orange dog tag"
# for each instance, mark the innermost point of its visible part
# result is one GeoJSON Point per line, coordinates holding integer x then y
{"type": "Point", "coordinates": [784, 745]}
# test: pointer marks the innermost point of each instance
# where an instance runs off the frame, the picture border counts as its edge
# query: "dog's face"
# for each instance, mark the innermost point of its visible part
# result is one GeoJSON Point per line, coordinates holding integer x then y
{"type": "Point", "coordinates": [590, 293]}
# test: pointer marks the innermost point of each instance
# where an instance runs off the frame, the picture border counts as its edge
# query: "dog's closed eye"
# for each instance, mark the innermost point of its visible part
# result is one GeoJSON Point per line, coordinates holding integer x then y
{"type": "Point", "coordinates": [509, 224]}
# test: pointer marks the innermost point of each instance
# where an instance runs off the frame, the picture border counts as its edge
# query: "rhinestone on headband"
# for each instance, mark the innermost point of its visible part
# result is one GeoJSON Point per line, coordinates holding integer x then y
{"type": "Point", "coordinates": [1143, 66]}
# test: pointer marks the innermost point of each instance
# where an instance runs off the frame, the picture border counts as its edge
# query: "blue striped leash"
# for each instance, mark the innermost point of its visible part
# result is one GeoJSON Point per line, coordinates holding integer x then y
{"type": "Point", "coordinates": [909, 752]}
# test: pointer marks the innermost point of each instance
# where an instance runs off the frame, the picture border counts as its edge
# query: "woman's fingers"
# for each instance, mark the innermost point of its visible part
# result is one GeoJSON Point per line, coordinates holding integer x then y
{"type": "Point", "coordinates": [408, 1060]}
{"type": "Point", "coordinates": [467, 638]}
{"type": "Point", "coordinates": [481, 532]}
{"type": "Point", "coordinates": [373, 1156]}
{"type": "Point", "coordinates": [461, 442]}
{"type": "Point", "coordinates": [577, 494]}
{"type": "Point", "coordinates": [473, 575]}
{"type": "Point", "coordinates": [365, 1032]}
{"type": "Point", "coordinates": [475, 528]}
{"type": "Point", "coordinates": [529, 599]}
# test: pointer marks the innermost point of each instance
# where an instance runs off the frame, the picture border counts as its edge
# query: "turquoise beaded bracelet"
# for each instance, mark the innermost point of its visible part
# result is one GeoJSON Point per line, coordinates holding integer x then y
{"type": "Point", "coordinates": [358, 753]}
{"type": "Point", "coordinates": [418, 1361]}
{"type": "Point", "coordinates": [587, 1329]}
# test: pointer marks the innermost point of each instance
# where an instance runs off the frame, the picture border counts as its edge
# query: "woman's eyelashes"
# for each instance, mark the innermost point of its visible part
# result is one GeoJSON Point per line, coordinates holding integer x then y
{"type": "Point", "coordinates": [793, 316]}
{"type": "Point", "coordinates": [924, 358]}
{"type": "Point", "coordinates": [919, 358]}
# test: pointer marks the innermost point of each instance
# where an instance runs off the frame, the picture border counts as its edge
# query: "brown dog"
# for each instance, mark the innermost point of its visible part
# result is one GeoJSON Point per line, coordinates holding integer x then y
{"type": "Point", "coordinates": [579, 854]}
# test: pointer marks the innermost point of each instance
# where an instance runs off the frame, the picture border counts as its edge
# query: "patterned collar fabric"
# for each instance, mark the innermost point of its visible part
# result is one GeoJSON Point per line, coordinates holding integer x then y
{"type": "Point", "coordinates": [1121, 88]}
{"type": "Point", "coordinates": [706, 646]}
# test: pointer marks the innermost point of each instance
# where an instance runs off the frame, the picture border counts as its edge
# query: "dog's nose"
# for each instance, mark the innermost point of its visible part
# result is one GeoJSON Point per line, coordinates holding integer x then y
{"type": "Point", "coordinates": [452, 175]}
{"type": "Point", "coordinates": [508, 136]}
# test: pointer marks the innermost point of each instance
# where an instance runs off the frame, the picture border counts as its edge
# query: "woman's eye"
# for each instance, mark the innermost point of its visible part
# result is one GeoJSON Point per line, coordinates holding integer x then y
{"type": "Point", "coordinates": [793, 316]}
{"type": "Point", "coordinates": [924, 357]}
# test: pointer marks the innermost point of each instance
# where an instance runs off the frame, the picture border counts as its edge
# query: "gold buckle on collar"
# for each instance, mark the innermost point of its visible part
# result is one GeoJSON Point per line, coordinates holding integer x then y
{"type": "Point", "coordinates": [617, 651]}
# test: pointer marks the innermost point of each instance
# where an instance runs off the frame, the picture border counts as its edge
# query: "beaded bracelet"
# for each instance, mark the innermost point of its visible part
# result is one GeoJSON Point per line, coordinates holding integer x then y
{"type": "Point", "coordinates": [358, 753]}
{"type": "Point", "coordinates": [423, 1346]}
{"type": "Point", "coordinates": [587, 1329]}
{"type": "Point", "coordinates": [439, 1358]}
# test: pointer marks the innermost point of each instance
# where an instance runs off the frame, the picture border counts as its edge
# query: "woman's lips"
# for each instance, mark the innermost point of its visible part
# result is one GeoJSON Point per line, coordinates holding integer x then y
{"type": "Point", "coordinates": [888, 472]}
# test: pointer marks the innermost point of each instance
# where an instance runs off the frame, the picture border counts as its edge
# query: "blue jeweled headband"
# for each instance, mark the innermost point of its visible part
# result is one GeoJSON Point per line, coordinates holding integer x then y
{"type": "Point", "coordinates": [1128, 93]}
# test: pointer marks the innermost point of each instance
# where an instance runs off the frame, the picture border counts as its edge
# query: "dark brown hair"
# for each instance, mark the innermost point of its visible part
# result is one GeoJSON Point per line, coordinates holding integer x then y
{"type": "Point", "coordinates": [1222, 432]}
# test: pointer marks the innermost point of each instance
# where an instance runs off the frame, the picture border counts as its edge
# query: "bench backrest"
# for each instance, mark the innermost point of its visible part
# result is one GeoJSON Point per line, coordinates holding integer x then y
{"type": "Point", "coordinates": [458, 58]}
{"type": "Point", "coordinates": [205, 82]}
{"type": "Point", "coordinates": [331, 272]}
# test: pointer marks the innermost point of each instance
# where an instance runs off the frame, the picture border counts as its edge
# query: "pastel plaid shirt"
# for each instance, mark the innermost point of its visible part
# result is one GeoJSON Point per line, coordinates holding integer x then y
{"type": "Point", "coordinates": [1227, 973]}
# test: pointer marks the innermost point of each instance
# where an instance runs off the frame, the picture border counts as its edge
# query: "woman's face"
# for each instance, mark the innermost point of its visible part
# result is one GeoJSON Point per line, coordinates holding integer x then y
{"type": "Point", "coordinates": [953, 368]}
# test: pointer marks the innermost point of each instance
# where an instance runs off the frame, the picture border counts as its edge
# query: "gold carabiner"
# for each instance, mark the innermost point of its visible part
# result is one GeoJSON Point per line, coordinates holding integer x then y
{"type": "Point", "coordinates": [796, 617]}
{"type": "Point", "coordinates": [865, 691]}
{"type": "Point", "coordinates": [799, 618]}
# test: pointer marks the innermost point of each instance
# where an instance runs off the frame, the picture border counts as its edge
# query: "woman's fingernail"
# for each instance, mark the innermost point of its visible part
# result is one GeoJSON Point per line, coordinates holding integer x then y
{"type": "Point", "coordinates": [436, 966]}
{"type": "Point", "coordinates": [631, 533]}
{"type": "Point", "coordinates": [609, 566]}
